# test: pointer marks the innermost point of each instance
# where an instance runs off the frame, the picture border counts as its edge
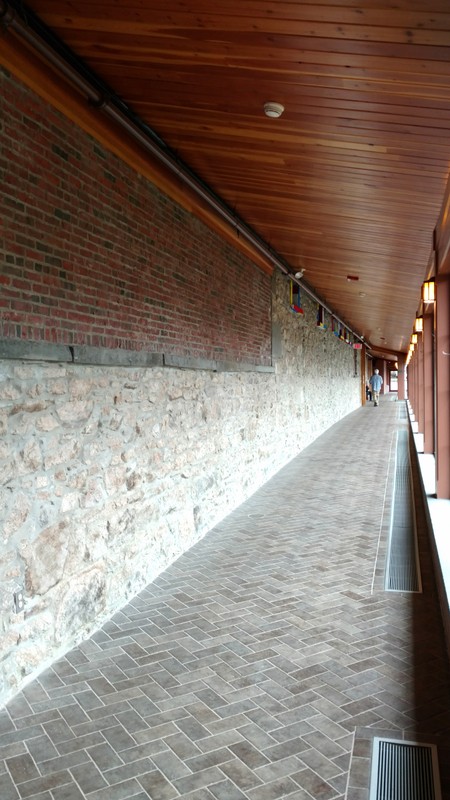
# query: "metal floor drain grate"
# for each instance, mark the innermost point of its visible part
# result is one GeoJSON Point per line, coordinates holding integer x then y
{"type": "Point", "coordinates": [402, 570]}
{"type": "Point", "coordinates": [404, 771]}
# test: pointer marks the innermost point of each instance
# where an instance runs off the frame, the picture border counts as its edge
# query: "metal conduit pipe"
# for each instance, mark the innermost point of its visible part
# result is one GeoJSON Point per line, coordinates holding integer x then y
{"type": "Point", "coordinates": [10, 19]}
{"type": "Point", "coordinates": [106, 102]}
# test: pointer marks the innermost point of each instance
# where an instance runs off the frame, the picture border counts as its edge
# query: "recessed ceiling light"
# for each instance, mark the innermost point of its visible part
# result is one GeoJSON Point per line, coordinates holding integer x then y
{"type": "Point", "coordinates": [273, 110]}
{"type": "Point", "coordinates": [362, 294]}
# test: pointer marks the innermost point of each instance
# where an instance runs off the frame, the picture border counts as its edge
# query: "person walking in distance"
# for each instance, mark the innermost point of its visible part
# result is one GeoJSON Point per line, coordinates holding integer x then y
{"type": "Point", "coordinates": [376, 382]}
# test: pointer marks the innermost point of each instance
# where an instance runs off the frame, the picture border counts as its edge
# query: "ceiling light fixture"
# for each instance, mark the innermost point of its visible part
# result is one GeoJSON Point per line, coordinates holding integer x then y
{"type": "Point", "coordinates": [273, 110]}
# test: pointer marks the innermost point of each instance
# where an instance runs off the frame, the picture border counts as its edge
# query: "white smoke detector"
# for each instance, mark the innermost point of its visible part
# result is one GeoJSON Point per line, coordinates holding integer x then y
{"type": "Point", "coordinates": [273, 109]}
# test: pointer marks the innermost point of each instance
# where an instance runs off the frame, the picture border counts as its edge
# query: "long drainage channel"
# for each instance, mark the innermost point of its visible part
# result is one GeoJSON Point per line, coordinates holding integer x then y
{"type": "Point", "coordinates": [402, 568]}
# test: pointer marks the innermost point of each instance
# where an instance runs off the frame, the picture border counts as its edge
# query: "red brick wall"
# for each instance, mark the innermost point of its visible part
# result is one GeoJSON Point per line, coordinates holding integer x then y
{"type": "Point", "coordinates": [93, 254]}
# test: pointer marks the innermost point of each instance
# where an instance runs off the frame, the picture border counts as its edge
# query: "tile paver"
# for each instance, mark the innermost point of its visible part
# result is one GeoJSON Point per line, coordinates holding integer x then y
{"type": "Point", "coordinates": [261, 663]}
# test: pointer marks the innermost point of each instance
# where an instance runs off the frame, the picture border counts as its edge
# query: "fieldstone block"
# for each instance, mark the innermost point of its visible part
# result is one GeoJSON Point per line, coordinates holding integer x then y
{"type": "Point", "coordinates": [82, 604]}
{"type": "Point", "coordinates": [46, 423]}
{"type": "Point", "coordinates": [31, 456]}
{"type": "Point", "coordinates": [95, 493]}
{"type": "Point", "coordinates": [16, 516]}
{"type": "Point", "coordinates": [58, 386]}
{"type": "Point", "coordinates": [115, 478]}
{"type": "Point", "coordinates": [70, 502]}
{"type": "Point", "coordinates": [60, 450]}
{"type": "Point", "coordinates": [28, 658]}
{"type": "Point", "coordinates": [74, 411]}
{"type": "Point", "coordinates": [45, 558]}
{"type": "Point", "coordinates": [28, 407]}
{"type": "Point", "coordinates": [8, 391]}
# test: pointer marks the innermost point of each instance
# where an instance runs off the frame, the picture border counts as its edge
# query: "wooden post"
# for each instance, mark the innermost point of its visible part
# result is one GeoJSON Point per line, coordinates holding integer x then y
{"type": "Point", "coordinates": [420, 384]}
{"type": "Point", "coordinates": [401, 394]}
{"type": "Point", "coordinates": [442, 335]}
{"type": "Point", "coordinates": [428, 384]}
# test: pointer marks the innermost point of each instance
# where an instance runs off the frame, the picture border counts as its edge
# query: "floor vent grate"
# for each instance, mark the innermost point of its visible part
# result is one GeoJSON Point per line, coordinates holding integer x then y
{"type": "Point", "coordinates": [403, 571]}
{"type": "Point", "coordinates": [404, 771]}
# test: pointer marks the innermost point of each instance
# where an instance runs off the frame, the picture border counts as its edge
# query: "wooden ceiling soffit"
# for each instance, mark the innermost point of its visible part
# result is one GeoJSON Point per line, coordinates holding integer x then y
{"type": "Point", "coordinates": [385, 353]}
{"type": "Point", "coordinates": [45, 80]}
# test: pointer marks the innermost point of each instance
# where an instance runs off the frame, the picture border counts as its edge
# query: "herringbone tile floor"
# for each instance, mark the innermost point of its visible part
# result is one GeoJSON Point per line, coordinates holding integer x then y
{"type": "Point", "coordinates": [261, 664]}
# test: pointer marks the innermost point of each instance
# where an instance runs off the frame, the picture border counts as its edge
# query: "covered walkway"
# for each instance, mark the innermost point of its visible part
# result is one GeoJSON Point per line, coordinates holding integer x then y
{"type": "Point", "coordinates": [262, 663]}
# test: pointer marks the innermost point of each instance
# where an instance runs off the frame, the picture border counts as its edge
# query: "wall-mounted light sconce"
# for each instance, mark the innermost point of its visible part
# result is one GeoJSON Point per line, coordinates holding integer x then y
{"type": "Point", "coordinates": [414, 338]}
{"type": "Point", "coordinates": [418, 325]}
{"type": "Point", "coordinates": [428, 294]}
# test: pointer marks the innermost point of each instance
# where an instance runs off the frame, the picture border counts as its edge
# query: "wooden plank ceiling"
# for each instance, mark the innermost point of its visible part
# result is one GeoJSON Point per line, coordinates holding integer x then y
{"type": "Point", "coordinates": [350, 179]}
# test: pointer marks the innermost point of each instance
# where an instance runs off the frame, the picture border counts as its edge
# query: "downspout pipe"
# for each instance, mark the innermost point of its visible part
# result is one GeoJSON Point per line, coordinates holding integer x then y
{"type": "Point", "coordinates": [111, 105]}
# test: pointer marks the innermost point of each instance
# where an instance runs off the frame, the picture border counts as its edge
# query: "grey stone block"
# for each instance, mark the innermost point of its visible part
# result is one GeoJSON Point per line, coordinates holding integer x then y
{"type": "Point", "coordinates": [186, 362]}
{"type": "Point", "coordinates": [102, 356]}
{"type": "Point", "coordinates": [34, 351]}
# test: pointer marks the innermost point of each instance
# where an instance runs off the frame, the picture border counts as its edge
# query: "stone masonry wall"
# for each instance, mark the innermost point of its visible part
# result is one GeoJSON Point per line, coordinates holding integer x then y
{"type": "Point", "coordinates": [107, 474]}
